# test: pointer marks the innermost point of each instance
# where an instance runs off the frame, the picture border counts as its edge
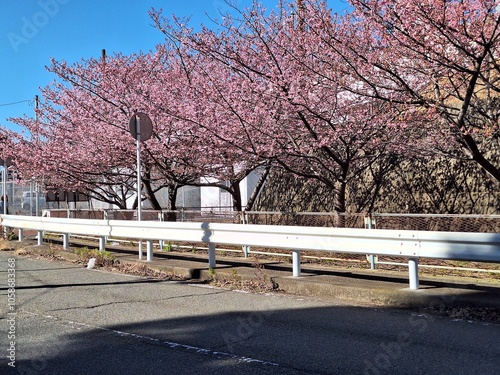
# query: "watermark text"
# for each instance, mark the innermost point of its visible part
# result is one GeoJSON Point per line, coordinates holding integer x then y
{"type": "Point", "coordinates": [30, 26]}
{"type": "Point", "coordinates": [11, 312]}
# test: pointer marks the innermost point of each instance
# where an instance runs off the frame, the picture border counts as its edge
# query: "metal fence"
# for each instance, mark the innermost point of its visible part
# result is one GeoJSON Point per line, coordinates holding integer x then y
{"type": "Point", "coordinates": [212, 215]}
{"type": "Point", "coordinates": [307, 219]}
{"type": "Point", "coordinates": [443, 223]}
{"type": "Point", "coordinates": [426, 222]}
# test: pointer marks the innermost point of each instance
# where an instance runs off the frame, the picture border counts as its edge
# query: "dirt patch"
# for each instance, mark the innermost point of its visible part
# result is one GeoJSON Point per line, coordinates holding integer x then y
{"type": "Point", "coordinates": [259, 283]}
{"type": "Point", "coordinates": [477, 314]}
{"type": "Point", "coordinates": [103, 260]}
{"type": "Point", "coordinates": [143, 270]}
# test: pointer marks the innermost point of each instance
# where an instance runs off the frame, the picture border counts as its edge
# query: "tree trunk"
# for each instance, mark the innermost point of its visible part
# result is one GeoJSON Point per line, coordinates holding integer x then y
{"type": "Point", "coordinates": [172, 197]}
{"type": "Point", "coordinates": [151, 195]}
{"type": "Point", "coordinates": [236, 195]}
{"type": "Point", "coordinates": [339, 204]}
{"type": "Point", "coordinates": [479, 158]}
{"type": "Point", "coordinates": [258, 188]}
{"type": "Point", "coordinates": [172, 207]}
{"type": "Point", "coordinates": [340, 194]}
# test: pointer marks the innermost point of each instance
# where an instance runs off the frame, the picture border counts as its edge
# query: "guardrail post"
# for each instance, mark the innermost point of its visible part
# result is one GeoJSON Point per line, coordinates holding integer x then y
{"type": "Point", "coordinates": [149, 250]}
{"type": "Point", "coordinates": [244, 220]}
{"type": "Point", "coordinates": [40, 237]}
{"type": "Point", "coordinates": [211, 255]}
{"type": "Point", "coordinates": [296, 262]}
{"type": "Point", "coordinates": [20, 234]}
{"type": "Point", "coordinates": [246, 250]}
{"type": "Point", "coordinates": [65, 241]}
{"type": "Point", "coordinates": [413, 270]}
{"type": "Point", "coordinates": [372, 262]}
{"type": "Point", "coordinates": [102, 243]}
{"type": "Point", "coordinates": [370, 224]}
{"type": "Point", "coordinates": [161, 243]}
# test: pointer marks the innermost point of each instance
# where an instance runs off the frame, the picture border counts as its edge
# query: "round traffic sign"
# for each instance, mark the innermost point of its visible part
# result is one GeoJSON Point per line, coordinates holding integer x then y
{"type": "Point", "coordinates": [140, 126]}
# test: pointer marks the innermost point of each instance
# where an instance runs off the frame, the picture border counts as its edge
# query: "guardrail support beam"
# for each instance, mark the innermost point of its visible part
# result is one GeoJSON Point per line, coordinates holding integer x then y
{"type": "Point", "coordinates": [296, 263]}
{"type": "Point", "coordinates": [372, 261]}
{"type": "Point", "coordinates": [413, 270]}
{"type": "Point", "coordinates": [211, 255]}
{"type": "Point", "coordinates": [40, 238]}
{"type": "Point", "coordinates": [20, 234]}
{"type": "Point", "coordinates": [149, 250]}
{"type": "Point", "coordinates": [102, 243]}
{"type": "Point", "coordinates": [65, 237]}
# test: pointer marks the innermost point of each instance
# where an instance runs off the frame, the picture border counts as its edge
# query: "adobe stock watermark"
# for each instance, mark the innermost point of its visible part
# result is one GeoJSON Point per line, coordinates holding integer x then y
{"type": "Point", "coordinates": [11, 312]}
{"type": "Point", "coordinates": [30, 26]}
{"type": "Point", "coordinates": [39, 365]}
{"type": "Point", "coordinates": [34, 366]}
{"type": "Point", "coordinates": [392, 351]}
{"type": "Point", "coordinates": [247, 327]}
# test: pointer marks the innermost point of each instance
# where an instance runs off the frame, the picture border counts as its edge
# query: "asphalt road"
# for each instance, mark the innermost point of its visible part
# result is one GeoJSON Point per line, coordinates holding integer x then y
{"type": "Point", "coordinates": [66, 319]}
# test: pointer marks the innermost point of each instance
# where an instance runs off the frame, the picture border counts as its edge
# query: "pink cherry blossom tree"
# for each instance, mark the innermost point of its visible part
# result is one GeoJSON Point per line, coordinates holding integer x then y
{"type": "Point", "coordinates": [294, 113]}
{"type": "Point", "coordinates": [65, 152]}
{"type": "Point", "coordinates": [79, 138]}
{"type": "Point", "coordinates": [434, 61]}
{"type": "Point", "coordinates": [80, 135]}
{"type": "Point", "coordinates": [215, 146]}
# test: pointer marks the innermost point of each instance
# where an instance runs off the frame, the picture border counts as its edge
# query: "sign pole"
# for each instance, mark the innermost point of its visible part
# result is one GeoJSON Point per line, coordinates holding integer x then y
{"type": "Point", "coordinates": [4, 194]}
{"type": "Point", "coordinates": [4, 188]}
{"type": "Point", "coordinates": [139, 200]}
{"type": "Point", "coordinates": [141, 128]}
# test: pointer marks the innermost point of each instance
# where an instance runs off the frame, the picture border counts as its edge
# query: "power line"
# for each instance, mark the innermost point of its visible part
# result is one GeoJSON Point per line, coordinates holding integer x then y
{"type": "Point", "coordinates": [22, 101]}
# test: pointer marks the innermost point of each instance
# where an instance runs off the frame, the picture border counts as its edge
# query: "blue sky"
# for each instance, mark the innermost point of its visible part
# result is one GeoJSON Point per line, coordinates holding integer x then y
{"type": "Point", "coordinates": [33, 31]}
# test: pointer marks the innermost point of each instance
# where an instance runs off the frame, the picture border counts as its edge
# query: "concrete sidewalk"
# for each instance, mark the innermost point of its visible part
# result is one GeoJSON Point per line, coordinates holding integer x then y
{"type": "Point", "coordinates": [350, 286]}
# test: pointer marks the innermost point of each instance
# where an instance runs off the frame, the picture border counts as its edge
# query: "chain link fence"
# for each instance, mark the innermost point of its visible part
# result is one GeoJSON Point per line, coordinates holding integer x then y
{"type": "Point", "coordinates": [446, 223]}
{"type": "Point", "coordinates": [205, 215]}
{"type": "Point", "coordinates": [309, 219]}
{"type": "Point", "coordinates": [423, 222]}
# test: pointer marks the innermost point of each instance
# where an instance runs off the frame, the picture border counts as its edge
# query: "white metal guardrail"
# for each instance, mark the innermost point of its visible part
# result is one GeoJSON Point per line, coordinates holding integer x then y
{"type": "Point", "coordinates": [481, 247]}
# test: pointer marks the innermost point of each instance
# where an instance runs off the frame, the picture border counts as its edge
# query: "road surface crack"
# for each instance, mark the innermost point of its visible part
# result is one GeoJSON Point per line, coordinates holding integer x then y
{"type": "Point", "coordinates": [90, 307]}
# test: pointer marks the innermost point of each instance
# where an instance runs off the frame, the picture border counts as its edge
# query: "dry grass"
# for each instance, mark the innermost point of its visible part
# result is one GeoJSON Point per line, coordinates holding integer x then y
{"type": "Point", "coordinates": [143, 270]}
{"type": "Point", "coordinates": [50, 255]}
{"type": "Point", "coordinates": [261, 283]}
{"type": "Point", "coordinates": [104, 260]}
{"type": "Point", "coordinates": [5, 245]}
